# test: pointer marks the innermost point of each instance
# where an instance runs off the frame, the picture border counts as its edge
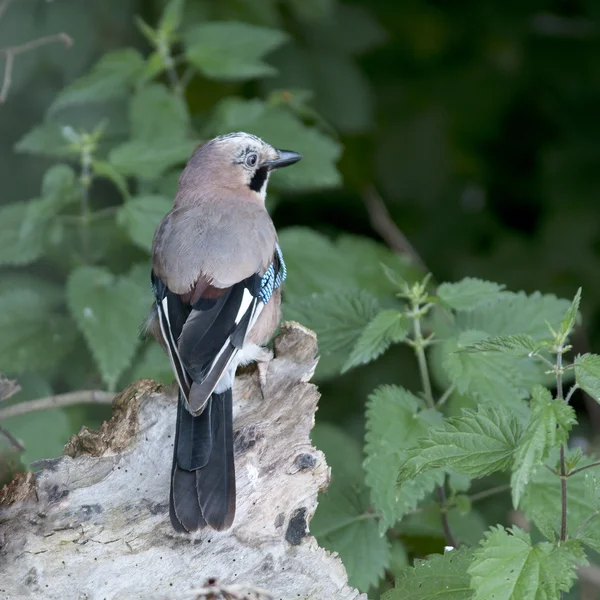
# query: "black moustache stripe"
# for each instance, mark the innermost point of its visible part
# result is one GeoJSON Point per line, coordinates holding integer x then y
{"type": "Point", "coordinates": [258, 179]}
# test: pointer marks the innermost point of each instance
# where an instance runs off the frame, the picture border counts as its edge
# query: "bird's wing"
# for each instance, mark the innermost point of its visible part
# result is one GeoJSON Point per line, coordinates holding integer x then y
{"type": "Point", "coordinates": [204, 334]}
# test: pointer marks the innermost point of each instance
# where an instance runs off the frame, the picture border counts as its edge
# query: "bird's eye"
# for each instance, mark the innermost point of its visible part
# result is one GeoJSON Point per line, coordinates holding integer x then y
{"type": "Point", "coordinates": [251, 159]}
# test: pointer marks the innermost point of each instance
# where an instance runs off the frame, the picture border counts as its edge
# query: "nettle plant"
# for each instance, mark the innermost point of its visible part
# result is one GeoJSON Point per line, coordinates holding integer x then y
{"type": "Point", "coordinates": [495, 428]}
{"type": "Point", "coordinates": [75, 282]}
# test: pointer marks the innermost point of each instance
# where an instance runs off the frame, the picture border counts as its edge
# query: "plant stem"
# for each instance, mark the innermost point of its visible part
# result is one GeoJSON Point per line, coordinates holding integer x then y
{"type": "Point", "coordinates": [499, 489]}
{"type": "Point", "coordinates": [573, 389]}
{"type": "Point", "coordinates": [419, 346]}
{"type": "Point", "coordinates": [69, 399]}
{"type": "Point", "coordinates": [563, 465]}
{"type": "Point", "coordinates": [85, 179]}
{"type": "Point", "coordinates": [448, 536]}
{"type": "Point", "coordinates": [575, 471]}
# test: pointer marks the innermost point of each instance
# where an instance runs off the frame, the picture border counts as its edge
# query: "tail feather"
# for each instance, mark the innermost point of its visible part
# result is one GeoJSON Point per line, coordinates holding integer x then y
{"type": "Point", "coordinates": [216, 481]}
{"type": "Point", "coordinates": [203, 474]}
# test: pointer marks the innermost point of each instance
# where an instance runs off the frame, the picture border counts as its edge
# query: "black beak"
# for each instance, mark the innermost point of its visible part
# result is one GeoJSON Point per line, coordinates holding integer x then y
{"type": "Point", "coordinates": [286, 158]}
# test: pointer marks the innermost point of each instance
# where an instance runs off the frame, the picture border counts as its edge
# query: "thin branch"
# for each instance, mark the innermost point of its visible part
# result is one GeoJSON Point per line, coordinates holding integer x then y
{"type": "Point", "coordinates": [570, 393]}
{"type": "Point", "coordinates": [11, 52]}
{"type": "Point", "coordinates": [61, 400]}
{"type": "Point", "coordinates": [448, 536]}
{"type": "Point", "coordinates": [4, 6]}
{"type": "Point", "coordinates": [499, 489]}
{"type": "Point", "coordinates": [563, 464]}
{"type": "Point", "coordinates": [8, 388]}
{"type": "Point", "coordinates": [575, 471]}
{"type": "Point", "coordinates": [445, 396]}
{"type": "Point", "coordinates": [383, 224]}
{"type": "Point", "coordinates": [14, 442]}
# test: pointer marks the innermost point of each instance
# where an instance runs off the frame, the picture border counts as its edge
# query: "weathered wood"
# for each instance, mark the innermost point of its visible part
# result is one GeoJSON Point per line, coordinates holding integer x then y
{"type": "Point", "coordinates": [94, 523]}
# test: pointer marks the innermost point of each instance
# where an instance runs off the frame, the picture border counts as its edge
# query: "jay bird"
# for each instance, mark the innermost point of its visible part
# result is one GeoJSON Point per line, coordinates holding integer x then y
{"type": "Point", "coordinates": [216, 275]}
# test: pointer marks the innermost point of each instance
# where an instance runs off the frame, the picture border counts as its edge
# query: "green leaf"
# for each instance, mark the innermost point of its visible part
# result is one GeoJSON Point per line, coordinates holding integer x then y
{"type": "Point", "coordinates": [394, 424]}
{"type": "Point", "coordinates": [570, 319]}
{"type": "Point", "coordinates": [33, 337]}
{"type": "Point", "coordinates": [475, 444]}
{"type": "Point", "coordinates": [514, 314]}
{"type": "Point", "coordinates": [469, 293]}
{"type": "Point", "coordinates": [46, 139]}
{"type": "Point", "coordinates": [109, 311]}
{"type": "Point", "coordinates": [343, 522]}
{"type": "Point", "coordinates": [18, 246]}
{"type": "Point", "coordinates": [140, 216]}
{"type": "Point", "coordinates": [388, 327]}
{"type": "Point", "coordinates": [160, 126]}
{"type": "Point", "coordinates": [232, 51]}
{"type": "Point", "coordinates": [282, 129]}
{"type": "Point", "coordinates": [170, 20]}
{"type": "Point", "coordinates": [139, 158]}
{"type": "Point", "coordinates": [509, 567]}
{"type": "Point", "coordinates": [587, 374]}
{"type": "Point", "coordinates": [112, 76]}
{"type": "Point", "coordinates": [338, 320]}
{"type": "Point", "coordinates": [541, 501]}
{"type": "Point", "coordinates": [439, 577]}
{"type": "Point", "coordinates": [517, 345]}
{"type": "Point", "coordinates": [489, 376]}
{"type": "Point", "coordinates": [549, 426]}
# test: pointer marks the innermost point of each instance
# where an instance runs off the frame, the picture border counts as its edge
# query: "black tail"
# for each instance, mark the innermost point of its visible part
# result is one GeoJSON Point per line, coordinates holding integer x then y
{"type": "Point", "coordinates": [203, 474]}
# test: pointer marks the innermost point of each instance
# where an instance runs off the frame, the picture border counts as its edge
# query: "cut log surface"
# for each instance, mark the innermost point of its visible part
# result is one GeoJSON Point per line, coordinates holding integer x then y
{"type": "Point", "coordinates": [94, 524]}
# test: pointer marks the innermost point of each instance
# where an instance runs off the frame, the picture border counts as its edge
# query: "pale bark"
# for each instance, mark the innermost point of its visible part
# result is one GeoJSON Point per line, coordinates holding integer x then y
{"type": "Point", "coordinates": [94, 523]}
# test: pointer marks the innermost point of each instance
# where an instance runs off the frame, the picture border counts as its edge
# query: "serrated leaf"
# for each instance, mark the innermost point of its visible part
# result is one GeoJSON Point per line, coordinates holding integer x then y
{"type": "Point", "coordinates": [338, 320]}
{"type": "Point", "coordinates": [516, 314]}
{"type": "Point", "coordinates": [570, 319]}
{"type": "Point", "coordinates": [140, 216]}
{"type": "Point", "coordinates": [33, 337]}
{"type": "Point", "coordinates": [549, 425]}
{"type": "Point", "coordinates": [509, 567]}
{"type": "Point", "coordinates": [388, 327]}
{"type": "Point", "coordinates": [488, 376]}
{"type": "Point", "coordinates": [587, 374]}
{"type": "Point", "coordinates": [469, 293]}
{"type": "Point", "coordinates": [475, 444]}
{"type": "Point", "coordinates": [282, 129]}
{"type": "Point", "coordinates": [541, 501]}
{"type": "Point", "coordinates": [15, 247]}
{"type": "Point", "coordinates": [232, 51]}
{"type": "Point", "coordinates": [343, 522]}
{"type": "Point", "coordinates": [109, 311]}
{"type": "Point", "coordinates": [517, 345]}
{"type": "Point", "coordinates": [112, 76]}
{"type": "Point", "coordinates": [394, 424]}
{"type": "Point", "coordinates": [439, 577]}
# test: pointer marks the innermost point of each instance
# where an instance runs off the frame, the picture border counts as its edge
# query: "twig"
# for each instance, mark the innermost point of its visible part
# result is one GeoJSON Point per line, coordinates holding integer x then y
{"type": "Point", "coordinates": [383, 224]}
{"type": "Point", "coordinates": [573, 389]}
{"type": "Point", "coordinates": [61, 400]}
{"type": "Point", "coordinates": [8, 388]}
{"type": "Point", "coordinates": [586, 523]}
{"type": "Point", "coordinates": [563, 465]}
{"type": "Point", "coordinates": [12, 51]}
{"type": "Point", "coordinates": [499, 489]}
{"type": "Point", "coordinates": [16, 444]}
{"type": "Point", "coordinates": [448, 536]}
{"type": "Point", "coordinates": [4, 6]}
{"type": "Point", "coordinates": [578, 470]}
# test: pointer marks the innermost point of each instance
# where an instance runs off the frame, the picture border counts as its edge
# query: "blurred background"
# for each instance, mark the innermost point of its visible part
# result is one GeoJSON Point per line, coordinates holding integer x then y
{"type": "Point", "coordinates": [474, 122]}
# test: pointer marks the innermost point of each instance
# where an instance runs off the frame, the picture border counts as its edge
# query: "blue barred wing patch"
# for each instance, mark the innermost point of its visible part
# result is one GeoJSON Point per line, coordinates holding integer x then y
{"type": "Point", "coordinates": [272, 279]}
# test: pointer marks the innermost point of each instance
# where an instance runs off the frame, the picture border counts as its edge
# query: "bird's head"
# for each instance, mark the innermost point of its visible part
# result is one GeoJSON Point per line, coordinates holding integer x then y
{"type": "Point", "coordinates": [239, 161]}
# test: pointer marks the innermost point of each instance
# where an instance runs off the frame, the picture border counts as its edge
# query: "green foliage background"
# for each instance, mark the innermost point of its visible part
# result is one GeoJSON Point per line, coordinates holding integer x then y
{"type": "Point", "coordinates": [476, 122]}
